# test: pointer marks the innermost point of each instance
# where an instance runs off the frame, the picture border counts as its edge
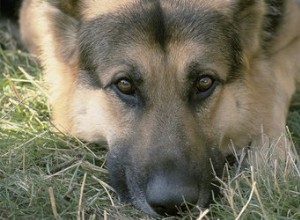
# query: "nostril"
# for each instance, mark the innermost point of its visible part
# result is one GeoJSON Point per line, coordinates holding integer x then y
{"type": "Point", "coordinates": [171, 197]}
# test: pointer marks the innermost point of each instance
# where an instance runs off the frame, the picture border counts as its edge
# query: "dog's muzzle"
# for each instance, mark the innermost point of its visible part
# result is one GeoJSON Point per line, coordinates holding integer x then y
{"type": "Point", "coordinates": [162, 187]}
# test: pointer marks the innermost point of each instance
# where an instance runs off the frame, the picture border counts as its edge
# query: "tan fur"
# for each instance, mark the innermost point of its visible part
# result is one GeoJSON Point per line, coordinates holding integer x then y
{"type": "Point", "coordinates": [92, 9]}
{"type": "Point", "coordinates": [60, 76]}
{"type": "Point", "coordinates": [31, 29]}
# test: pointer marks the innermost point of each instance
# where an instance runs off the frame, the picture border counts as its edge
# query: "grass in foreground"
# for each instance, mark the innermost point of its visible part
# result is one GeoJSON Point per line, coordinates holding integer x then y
{"type": "Point", "coordinates": [46, 175]}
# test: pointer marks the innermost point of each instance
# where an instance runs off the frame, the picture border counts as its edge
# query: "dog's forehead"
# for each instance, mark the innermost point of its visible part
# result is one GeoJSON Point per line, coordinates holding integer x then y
{"type": "Point", "coordinates": [151, 22]}
{"type": "Point", "coordinates": [180, 32]}
{"type": "Point", "coordinates": [92, 9]}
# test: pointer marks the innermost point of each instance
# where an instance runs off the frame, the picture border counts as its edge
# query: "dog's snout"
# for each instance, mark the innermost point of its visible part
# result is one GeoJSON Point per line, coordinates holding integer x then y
{"type": "Point", "coordinates": [168, 195]}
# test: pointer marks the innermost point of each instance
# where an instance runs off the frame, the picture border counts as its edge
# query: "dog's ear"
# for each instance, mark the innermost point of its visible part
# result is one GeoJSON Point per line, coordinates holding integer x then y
{"type": "Point", "coordinates": [65, 24]}
{"type": "Point", "coordinates": [49, 28]}
{"type": "Point", "coordinates": [257, 22]}
{"type": "Point", "coordinates": [248, 15]}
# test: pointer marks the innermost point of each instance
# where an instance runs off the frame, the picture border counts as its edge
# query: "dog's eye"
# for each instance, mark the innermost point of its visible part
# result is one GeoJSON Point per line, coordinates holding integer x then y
{"type": "Point", "coordinates": [204, 83]}
{"type": "Point", "coordinates": [125, 86]}
{"type": "Point", "coordinates": [203, 87]}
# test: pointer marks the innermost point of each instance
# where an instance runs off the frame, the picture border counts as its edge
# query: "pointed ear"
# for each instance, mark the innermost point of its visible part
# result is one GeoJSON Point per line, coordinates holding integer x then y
{"type": "Point", "coordinates": [48, 28]}
{"type": "Point", "coordinates": [65, 24]}
{"type": "Point", "coordinates": [249, 17]}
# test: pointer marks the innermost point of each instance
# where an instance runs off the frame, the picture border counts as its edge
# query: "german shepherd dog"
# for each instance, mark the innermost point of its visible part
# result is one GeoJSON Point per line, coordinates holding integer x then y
{"type": "Point", "coordinates": [170, 85]}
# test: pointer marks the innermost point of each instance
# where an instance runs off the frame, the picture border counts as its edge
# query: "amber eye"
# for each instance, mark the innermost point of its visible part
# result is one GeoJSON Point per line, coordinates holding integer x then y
{"type": "Point", "coordinates": [204, 83]}
{"type": "Point", "coordinates": [125, 86]}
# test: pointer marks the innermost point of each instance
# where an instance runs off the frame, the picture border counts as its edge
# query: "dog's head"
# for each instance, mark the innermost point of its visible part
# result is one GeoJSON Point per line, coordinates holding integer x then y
{"type": "Point", "coordinates": [170, 85]}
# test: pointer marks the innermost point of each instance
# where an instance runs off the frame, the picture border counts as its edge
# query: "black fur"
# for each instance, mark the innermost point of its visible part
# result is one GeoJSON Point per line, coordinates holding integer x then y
{"type": "Point", "coordinates": [273, 19]}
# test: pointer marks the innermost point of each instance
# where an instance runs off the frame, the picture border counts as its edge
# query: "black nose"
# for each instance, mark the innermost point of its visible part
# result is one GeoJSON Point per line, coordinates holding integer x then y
{"type": "Point", "coordinates": [167, 195]}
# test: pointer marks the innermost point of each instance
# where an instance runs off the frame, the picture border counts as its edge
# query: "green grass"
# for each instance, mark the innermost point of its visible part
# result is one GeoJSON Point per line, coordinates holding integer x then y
{"type": "Point", "coordinates": [47, 175]}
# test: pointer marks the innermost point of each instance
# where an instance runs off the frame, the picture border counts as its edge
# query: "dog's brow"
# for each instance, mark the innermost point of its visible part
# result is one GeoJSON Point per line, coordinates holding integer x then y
{"type": "Point", "coordinates": [193, 70]}
{"type": "Point", "coordinates": [113, 73]}
{"type": "Point", "coordinates": [136, 75]}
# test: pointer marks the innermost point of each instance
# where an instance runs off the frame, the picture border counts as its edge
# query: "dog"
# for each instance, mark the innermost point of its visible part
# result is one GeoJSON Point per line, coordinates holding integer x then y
{"type": "Point", "coordinates": [170, 85]}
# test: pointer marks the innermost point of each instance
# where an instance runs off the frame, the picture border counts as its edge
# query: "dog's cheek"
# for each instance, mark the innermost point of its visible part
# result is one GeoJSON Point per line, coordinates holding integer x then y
{"type": "Point", "coordinates": [233, 119]}
{"type": "Point", "coordinates": [244, 110]}
{"type": "Point", "coordinates": [97, 116]}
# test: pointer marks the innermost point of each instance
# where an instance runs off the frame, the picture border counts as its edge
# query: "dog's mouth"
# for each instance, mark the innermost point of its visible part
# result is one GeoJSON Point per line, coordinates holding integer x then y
{"type": "Point", "coordinates": [169, 189]}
